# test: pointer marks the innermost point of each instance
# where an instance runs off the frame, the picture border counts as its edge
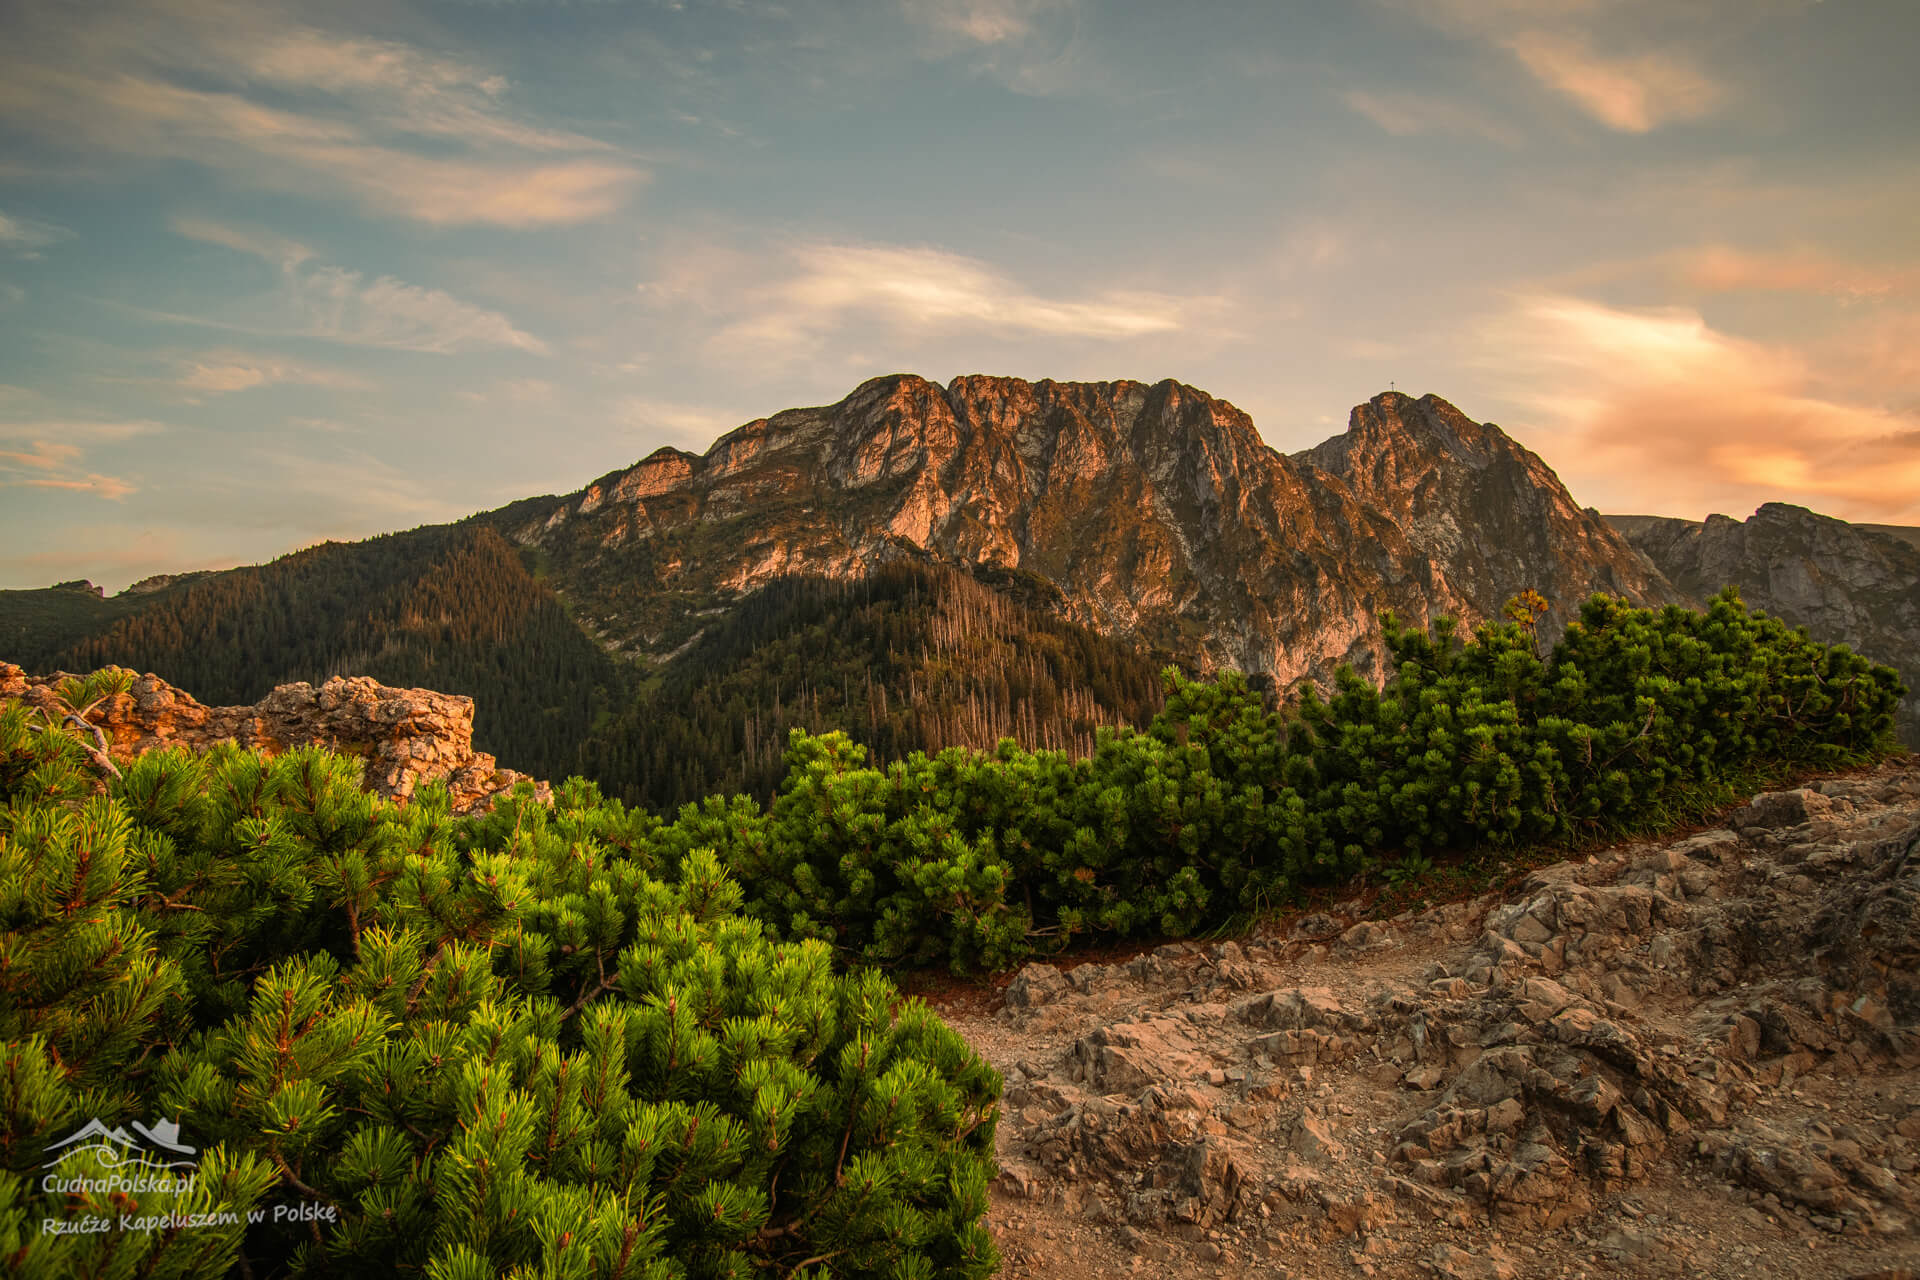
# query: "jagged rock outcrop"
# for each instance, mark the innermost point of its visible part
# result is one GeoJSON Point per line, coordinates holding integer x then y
{"type": "Point", "coordinates": [1677, 1058]}
{"type": "Point", "coordinates": [405, 737]}
{"type": "Point", "coordinates": [1472, 499]}
{"type": "Point", "coordinates": [161, 581]}
{"type": "Point", "coordinates": [1155, 512]}
{"type": "Point", "coordinates": [1845, 583]}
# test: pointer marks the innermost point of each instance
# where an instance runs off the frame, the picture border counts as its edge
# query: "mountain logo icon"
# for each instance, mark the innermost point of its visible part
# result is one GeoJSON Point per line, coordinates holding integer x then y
{"type": "Point", "coordinates": [156, 1146]}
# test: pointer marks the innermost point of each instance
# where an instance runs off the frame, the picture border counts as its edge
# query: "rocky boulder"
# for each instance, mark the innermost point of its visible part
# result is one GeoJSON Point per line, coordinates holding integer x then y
{"type": "Point", "coordinates": [404, 737]}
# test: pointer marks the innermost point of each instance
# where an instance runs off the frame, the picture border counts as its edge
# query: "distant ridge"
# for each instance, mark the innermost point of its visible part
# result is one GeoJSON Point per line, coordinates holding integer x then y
{"type": "Point", "coordinates": [1850, 584]}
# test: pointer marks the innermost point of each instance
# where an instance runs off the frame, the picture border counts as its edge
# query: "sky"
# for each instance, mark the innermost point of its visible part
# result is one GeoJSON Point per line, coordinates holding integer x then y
{"type": "Point", "coordinates": [275, 273]}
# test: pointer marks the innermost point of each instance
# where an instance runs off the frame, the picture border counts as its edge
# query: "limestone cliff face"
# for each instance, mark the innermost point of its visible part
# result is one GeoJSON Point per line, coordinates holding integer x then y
{"type": "Point", "coordinates": [1845, 583]}
{"type": "Point", "coordinates": [1156, 511]}
{"type": "Point", "coordinates": [1488, 510]}
{"type": "Point", "coordinates": [404, 736]}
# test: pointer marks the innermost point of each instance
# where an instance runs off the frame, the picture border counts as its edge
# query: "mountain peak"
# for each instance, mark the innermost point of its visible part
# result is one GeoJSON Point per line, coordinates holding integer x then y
{"type": "Point", "coordinates": [1151, 510]}
{"type": "Point", "coordinates": [1393, 421]}
{"type": "Point", "coordinates": [1478, 502]}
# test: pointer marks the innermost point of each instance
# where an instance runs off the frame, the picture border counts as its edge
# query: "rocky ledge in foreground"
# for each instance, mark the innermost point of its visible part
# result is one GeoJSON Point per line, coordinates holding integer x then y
{"type": "Point", "coordinates": [1692, 1058]}
{"type": "Point", "coordinates": [405, 736]}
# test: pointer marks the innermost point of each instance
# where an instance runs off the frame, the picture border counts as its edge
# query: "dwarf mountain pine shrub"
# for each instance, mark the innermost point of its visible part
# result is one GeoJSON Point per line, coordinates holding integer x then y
{"type": "Point", "coordinates": [421, 1046]}
{"type": "Point", "coordinates": [1220, 806]}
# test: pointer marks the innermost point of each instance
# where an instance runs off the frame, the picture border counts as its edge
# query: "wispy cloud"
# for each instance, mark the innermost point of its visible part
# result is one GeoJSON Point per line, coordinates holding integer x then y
{"type": "Point", "coordinates": [1039, 48]}
{"type": "Point", "coordinates": [1564, 45]}
{"type": "Point", "coordinates": [922, 291]}
{"type": "Point", "coordinates": [987, 22]}
{"type": "Point", "coordinates": [265, 100]}
{"type": "Point", "coordinates": [222, 372]}
{"type": "Point", "coordinates": [250, 240]}
{"type": "Point", "coordinates": [1657, 409]}
{"type": "Point", "coordinates": [341, 305]}
{"type": "Point", "coordinates": [344, 306]}
{"type": "Point", "coordinates": [1411, 115]}
{"type": "Point", "coordinates": [1630, 94]}
{"type": "Point", "coordinates": [53, 455]}
{"type": "Point", "coordinates": [25, 237]}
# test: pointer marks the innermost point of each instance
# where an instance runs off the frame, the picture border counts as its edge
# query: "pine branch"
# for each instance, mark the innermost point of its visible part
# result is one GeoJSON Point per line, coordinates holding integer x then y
{"type": "Point", "coordinates": [605, 985]}
{"type": "Point", "coordinates": [293, 1180]}
{"type": "Point", "coordinates": [97, 753]}
{"type": "Point", "coordinates": [818, 1257]}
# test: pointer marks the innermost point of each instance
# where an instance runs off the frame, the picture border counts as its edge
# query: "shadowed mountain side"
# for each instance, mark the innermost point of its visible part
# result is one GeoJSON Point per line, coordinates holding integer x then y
{"type": "Point", "coordinates": [448, 607]}
{"type": "Point", "coordinates": [1845, 583]}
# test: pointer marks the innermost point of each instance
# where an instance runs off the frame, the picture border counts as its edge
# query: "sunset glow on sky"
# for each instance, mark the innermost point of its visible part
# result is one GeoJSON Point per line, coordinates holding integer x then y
{"type": "Point", "coordinates": [274, 273]}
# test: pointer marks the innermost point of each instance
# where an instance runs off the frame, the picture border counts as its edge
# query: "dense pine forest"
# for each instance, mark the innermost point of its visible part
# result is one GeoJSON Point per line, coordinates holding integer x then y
{"type": "Point", "coordinates": [451, 608]}
{"type": "Point", "coordinates": [912, 657]}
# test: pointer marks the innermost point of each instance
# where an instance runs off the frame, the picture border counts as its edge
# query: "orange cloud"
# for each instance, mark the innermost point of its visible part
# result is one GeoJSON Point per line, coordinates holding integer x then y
{"type": "Point", "coordinates": [1632, 95]}
{"type": "Point", "coordinates": [1655, 411]}
{"type": "Point", "coordinates": [45, 464]}
{"type": "Point", "coordinates": [52, 455]}
{"type": "Point", "coordinates": [1722, 269]}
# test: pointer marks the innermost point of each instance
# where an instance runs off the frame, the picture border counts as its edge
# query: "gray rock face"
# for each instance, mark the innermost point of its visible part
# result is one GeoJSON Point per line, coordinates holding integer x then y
{"type": "Point", "coordinates": [1154, 512]}
{"type": "Point", "coordinates": [403, 737]}
{"type": "Point", "coordinates": [1845, 583]}
{"type": "Point", "coordinates": [1470, 498]}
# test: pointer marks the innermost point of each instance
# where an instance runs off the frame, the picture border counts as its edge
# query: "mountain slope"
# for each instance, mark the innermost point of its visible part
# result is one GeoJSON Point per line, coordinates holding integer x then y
{"type": "Point", "coordinates": [450, 607]}
{"type": "Point", "coordinates": [1156, 512]}
{"type": "Point", "coordinates": [910, 657]}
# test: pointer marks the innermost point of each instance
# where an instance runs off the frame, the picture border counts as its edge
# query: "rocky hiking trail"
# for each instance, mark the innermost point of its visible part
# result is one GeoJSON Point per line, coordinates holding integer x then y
{"type": "Point", "coordinates": [1698, 1057]}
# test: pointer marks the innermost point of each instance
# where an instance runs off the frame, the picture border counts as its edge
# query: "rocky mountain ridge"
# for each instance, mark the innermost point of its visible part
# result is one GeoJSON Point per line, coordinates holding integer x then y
{"type": "Point", "coordinates": [1470, 498]}
{"type": "Point", "coordinates": [1155, 512]}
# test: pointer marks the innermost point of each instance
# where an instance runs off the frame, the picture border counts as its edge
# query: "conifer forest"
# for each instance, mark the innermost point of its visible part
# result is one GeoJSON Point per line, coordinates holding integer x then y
{"type": "Point", "coordinates": [646, 1032]}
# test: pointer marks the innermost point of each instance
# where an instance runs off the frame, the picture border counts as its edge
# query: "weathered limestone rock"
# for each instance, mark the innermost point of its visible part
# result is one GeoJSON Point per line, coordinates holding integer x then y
{"type": "Point", "coordinates": [404, 736]}
{"type": "Point", "coordinates": [1133, 509]}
